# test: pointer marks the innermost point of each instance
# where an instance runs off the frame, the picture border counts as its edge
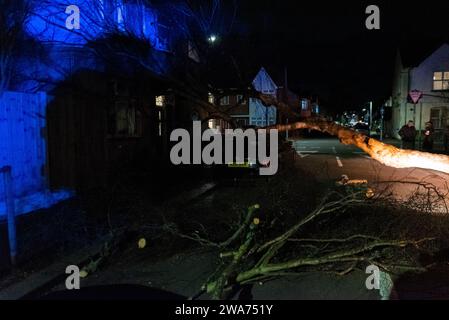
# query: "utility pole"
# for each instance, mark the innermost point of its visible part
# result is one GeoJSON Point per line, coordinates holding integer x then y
{"type": "Point", "coordinates": [382, 112]}
{"type": "Point", "coordinates": [370, 116]}
{"type": "Point", "coordinates": [420, 126]}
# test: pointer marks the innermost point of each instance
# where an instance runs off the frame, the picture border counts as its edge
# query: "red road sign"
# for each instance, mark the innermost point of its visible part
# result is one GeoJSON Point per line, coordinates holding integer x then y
{"type": "Point", "coordinates": [415, 95]}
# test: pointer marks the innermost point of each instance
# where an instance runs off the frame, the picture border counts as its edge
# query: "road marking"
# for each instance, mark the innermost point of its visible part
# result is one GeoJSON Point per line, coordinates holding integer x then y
{"type": "Point", "coordinates": [304, 154]}
{"type": "Point", "coordinates": [339, 162]}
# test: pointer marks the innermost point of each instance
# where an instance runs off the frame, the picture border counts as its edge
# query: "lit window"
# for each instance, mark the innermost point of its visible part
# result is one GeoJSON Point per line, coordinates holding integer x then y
{"type": "Point", "coordinates": [240, 99]}
{"type": "Point", "coordinates": [304, 105]}
{"type": "Point", "coordinates": [160, 101]}
{"type": "Point", "coordinates": [438, 118]}
{"type": "Point", "coordinates": [441, 80]}
{"type": "Point", "coordinates": [124, 120]}
{"type": "Point", "coordinates": [224, 101]}
{"type": "Point", "coordinates": [211, 98]}
{"type": "Point", "coordinates": [211, 124]}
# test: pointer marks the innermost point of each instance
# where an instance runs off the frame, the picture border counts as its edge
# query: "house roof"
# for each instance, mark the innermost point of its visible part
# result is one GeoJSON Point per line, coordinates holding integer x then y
{"type": "Point", "coordinates": [412, 54]}
{"type": "Point", "coordinates": [228, 77]}
{"type": "Point", "coordinates": [263, 82]}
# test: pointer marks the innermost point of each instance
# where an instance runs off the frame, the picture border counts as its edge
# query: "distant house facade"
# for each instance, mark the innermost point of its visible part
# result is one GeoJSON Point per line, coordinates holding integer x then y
{"type": "Point", "coordinates": [249, 111]}
{"type": "Point", "coordinates": [309, 108]}
{"type": "Point", "coordinates": [259, 115]}
{"type": "Point", "coordinates": [246, 111]}
{"type": "Point", "coordinates": [233, 102]}
{"type": "Point", "coordinates": [431, 77]}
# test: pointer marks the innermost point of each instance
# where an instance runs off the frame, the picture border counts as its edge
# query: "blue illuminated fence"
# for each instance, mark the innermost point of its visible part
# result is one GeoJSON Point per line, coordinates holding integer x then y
{"type": "Point", "coordinates": [23, 149]}
{"type": "Point", "coordinates": [10, 211]}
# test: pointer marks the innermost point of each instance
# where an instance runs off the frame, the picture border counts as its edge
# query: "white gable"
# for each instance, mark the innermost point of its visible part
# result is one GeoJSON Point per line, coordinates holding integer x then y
{"type": "Point", "coordinates": [263, 83]}
{"type": "Point", "coordinates": [441, 54]}
{"type": "Point", "coordinates": [421, 77]}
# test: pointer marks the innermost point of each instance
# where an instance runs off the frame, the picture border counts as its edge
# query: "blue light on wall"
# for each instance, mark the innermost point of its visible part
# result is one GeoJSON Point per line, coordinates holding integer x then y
{"type": "Point", "coordinates": [23, 115]}
{"type": "Point", "coordinates": [23, 148]}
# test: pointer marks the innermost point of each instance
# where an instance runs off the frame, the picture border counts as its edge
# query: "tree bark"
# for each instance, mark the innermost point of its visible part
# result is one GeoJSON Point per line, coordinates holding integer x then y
{"type": "Point", "coordinates": [384, 153]}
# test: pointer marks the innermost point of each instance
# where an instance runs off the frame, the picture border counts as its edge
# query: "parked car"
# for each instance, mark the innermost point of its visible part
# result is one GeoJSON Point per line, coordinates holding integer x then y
{"type": "Point", "coordinates": [362, 128]}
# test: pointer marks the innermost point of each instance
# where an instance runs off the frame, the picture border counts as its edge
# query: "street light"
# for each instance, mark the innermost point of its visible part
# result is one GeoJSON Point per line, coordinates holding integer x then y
{"type": "Point", "coordinates": [370, 116]}
{"type": "Point", "coordinates": [212, 38]}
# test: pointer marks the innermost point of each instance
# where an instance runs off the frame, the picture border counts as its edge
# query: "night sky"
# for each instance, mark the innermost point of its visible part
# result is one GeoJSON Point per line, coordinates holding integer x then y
{"type": "Point", "coordinates": [328, 50]}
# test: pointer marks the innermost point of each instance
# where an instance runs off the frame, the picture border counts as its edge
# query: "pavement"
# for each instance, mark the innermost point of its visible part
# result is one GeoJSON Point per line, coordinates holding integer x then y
{"type": "Point", "coordinates": [328, 159]}
{"type": "Point", "coordinates": [54, 274]}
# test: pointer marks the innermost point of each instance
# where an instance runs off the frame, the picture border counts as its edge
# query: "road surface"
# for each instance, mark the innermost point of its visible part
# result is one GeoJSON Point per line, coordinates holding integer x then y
{"type": "Point", "coordinates": [328, 159]}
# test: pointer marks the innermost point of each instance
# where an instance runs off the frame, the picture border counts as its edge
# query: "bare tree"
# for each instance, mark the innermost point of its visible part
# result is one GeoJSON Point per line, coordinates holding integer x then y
{"type": "Point", "coordinates": [13, 18]}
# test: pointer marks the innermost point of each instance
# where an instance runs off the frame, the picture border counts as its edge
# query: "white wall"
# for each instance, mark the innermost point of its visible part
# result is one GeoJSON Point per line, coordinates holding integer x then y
{"type": "Point", "coordinates": [257, 111]}
{"type": "Point", "coordinates": [419, 78]}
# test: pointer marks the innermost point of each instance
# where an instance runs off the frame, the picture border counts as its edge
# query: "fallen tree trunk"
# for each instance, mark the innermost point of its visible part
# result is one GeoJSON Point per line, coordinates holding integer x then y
{"type": "Point", "coordinates": [384, 153]}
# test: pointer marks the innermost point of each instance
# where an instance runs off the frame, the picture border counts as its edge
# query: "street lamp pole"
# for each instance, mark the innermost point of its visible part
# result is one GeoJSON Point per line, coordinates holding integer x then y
{"type": "Point", "coordinates": [382, 113]}
{"type": "Point", "coordinates": [370, 115]}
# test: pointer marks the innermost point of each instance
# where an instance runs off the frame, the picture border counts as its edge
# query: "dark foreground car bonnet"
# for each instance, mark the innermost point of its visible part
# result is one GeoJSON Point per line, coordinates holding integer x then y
{"type": "Point", "coordinates": [113, 292]}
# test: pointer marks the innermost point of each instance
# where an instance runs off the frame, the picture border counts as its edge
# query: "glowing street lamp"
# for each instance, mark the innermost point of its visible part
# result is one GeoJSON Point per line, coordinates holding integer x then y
{"type": "Point", "coordinates": [212, 38]}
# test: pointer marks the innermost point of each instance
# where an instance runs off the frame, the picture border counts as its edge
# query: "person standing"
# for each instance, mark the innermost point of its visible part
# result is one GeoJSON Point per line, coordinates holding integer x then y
{"type": "Point", "coordinates": [427, 144]}
{"type": "Point", "coordinates": [408, 135]}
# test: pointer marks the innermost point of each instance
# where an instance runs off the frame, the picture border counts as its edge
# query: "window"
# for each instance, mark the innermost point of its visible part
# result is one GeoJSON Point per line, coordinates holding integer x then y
{"type": "Point", "coordinates": [193, 53]}
{"type": "Point", "coordinates": [124, 120]}
{"type": "Point", "coordinates": [438, 117]}
{"type": "Point", "coordinates": [211, 98]}
{"type": "Point", "coordinates": [160, 123]}
{"type": "Point", "coordinates": [240, 99]}
{"type": "Point", "coordinates": [241, 122]}
{"type": "Point", "coordinates": [224, 101]}
{"type": "Point", "coordinates": [441, 81]}
{"type": "Point", "coordinates": [163, 34]}
{"type": "Point", "coordinates": [304, 105]}
{"type": "Point", "coordinates": [160, 101]}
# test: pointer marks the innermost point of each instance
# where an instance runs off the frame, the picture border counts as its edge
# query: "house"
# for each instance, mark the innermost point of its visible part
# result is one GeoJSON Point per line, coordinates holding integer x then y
{"type": "Point", "coordinates": [309, 107]}
{"type": "Point", "coordinates": [246, 111]}
{"type": "Point", "coordinates": [235, 103]}
{"type": "Point", "coordinates": [429, 74]}
{"type": "Point", "coordinates": [259, 115]}
{"type": "Point", "coordinates": [251, 112]}
{"type": "Point", "coordinates": [84, 113]}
